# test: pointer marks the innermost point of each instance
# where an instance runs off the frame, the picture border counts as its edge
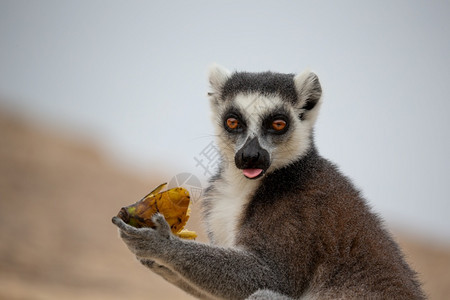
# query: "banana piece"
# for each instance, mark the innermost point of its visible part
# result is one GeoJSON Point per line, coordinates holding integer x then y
{"type": "Point", "coordinates": [187, 234]}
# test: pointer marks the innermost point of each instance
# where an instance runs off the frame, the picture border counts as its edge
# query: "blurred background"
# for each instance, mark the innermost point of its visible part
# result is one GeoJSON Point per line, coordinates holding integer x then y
{"type": "Point", "coordinates": [100, 101]}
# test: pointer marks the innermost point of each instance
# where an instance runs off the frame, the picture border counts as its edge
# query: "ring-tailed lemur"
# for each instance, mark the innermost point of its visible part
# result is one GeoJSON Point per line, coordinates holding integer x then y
{"type": "Point", "coordinates": [283, 221]}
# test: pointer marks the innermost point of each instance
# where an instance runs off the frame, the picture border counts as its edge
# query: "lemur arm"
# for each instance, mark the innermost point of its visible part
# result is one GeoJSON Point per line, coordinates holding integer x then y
{"type": "Point", "coordinates": [224, 272]}
{"type": "Point", "coordinates": [173, 277]}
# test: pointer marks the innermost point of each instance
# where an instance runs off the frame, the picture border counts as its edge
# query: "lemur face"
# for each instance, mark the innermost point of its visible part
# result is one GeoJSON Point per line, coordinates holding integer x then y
{"type": "Point", "coordinates": [258, 130]}
{"type": "Point", "coordinates": [261, 122]}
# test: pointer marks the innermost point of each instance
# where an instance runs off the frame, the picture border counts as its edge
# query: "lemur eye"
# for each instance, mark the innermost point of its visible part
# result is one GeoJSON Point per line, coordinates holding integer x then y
{"type": "Point", "coordinates": [278, 125]}
{"type": "Point", "coordinates": [232, 123]}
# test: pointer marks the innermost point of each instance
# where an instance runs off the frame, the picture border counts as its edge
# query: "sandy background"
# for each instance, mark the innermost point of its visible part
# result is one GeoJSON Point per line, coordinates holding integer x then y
{"type": "Point", "coordinates": [57, 197]}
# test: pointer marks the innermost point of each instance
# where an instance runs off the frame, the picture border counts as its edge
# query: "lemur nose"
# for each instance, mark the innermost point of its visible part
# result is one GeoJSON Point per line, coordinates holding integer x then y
{"type": "Point", "coordinates": [252, 155]}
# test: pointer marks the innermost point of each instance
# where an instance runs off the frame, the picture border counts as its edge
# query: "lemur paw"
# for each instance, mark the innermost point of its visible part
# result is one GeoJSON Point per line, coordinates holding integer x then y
{"type": "Point", "coordinates": [145, 242]}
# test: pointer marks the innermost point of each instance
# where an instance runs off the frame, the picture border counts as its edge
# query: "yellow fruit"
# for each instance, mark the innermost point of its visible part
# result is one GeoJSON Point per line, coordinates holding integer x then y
{"type": "Point", "coordinates": [187, 234]}
{"type": "Point", "coordinates": [173, 204]}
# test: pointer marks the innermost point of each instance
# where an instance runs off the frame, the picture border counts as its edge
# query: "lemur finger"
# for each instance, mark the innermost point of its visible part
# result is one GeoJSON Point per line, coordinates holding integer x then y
{"type": "Point", "coordinates": [130, 230]}
{"type": "Point", "coordinates": [161, 224]}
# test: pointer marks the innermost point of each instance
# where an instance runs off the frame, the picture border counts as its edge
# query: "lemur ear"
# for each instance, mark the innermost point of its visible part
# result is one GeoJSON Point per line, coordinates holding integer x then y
{"type": "Point", "coordinates": [309, 90]}
{"type": "Point", "coordinates": [218, 75]}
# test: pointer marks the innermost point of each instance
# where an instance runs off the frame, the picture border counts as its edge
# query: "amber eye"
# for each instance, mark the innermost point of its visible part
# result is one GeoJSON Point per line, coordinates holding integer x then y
{"type": "Point", "coordinates": [278, 125]}
{"type": "Point", "coordinates": [232, 123]}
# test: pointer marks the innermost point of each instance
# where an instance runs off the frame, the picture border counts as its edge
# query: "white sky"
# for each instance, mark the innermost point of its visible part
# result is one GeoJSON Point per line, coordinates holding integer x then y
{"type": "Point", "coordinates": [131, 75]}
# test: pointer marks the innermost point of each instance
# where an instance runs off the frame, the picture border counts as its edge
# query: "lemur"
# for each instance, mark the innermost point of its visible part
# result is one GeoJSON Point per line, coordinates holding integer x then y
{"type": "Point", "coordinates": [283, 222]}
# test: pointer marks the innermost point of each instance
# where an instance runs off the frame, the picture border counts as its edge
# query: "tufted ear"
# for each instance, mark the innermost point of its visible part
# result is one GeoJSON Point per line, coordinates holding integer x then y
{"type": "Point", "coordinates": [218, 75]}
{"type": "Point", "coordinates": [309, 92]}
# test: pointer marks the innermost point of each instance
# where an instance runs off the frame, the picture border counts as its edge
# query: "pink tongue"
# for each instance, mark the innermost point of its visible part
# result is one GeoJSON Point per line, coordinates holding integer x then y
{"type": "Point", "coordinates": [252, 173]}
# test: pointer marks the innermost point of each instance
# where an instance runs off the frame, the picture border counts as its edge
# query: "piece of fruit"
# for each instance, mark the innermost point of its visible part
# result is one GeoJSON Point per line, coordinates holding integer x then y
{"type": "Point", "coordinates": [173, 204]}
{"type": "Point", "coordinates": [187, 234]}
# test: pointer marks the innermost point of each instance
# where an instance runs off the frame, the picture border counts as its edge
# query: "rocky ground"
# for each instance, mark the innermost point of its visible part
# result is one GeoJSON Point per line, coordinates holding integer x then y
{"type": "Point", "coordinates": [57, 197]}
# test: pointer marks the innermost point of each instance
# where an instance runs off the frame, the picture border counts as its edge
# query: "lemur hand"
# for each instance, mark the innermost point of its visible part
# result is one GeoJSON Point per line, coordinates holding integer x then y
{"type": "Point", "coordinates": [146, 242]}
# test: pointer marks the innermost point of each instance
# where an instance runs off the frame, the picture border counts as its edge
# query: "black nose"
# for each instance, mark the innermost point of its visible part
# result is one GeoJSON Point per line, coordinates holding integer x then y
{"type": "Point", "coordinates": [252, 156]}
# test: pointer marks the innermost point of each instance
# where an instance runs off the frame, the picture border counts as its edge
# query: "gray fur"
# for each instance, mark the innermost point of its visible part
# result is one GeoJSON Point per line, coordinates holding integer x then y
{"type": "Point", "coordinates": [299, 231]}
{"type": "Point", "coordinates": [267, 83]}
{"type": "Point", "coordinates": [173, 277]}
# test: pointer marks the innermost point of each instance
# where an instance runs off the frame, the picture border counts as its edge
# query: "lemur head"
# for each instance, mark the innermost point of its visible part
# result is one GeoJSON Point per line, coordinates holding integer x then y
{"type": "Point", "coordinates": [264, 121]}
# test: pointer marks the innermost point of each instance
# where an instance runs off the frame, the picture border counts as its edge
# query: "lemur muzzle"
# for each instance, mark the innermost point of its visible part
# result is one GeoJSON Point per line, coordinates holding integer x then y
{"type": "Point", "coordinates": [252, 159]}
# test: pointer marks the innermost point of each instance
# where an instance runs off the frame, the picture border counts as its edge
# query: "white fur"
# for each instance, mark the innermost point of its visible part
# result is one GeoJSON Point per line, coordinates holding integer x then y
{"type": "Point", "coordinates": [232, 193]}
{"type": "Point", "coordinates": [218, 75]}
{"type": "Point", "coordinates": [254, 105]}
{"type": "Point", "coordinates": [303, 83]}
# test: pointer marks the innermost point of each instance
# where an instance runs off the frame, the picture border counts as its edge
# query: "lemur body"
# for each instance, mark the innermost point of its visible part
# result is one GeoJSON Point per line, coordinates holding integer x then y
{"type": "Point", "coordinates": [283, 222]}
